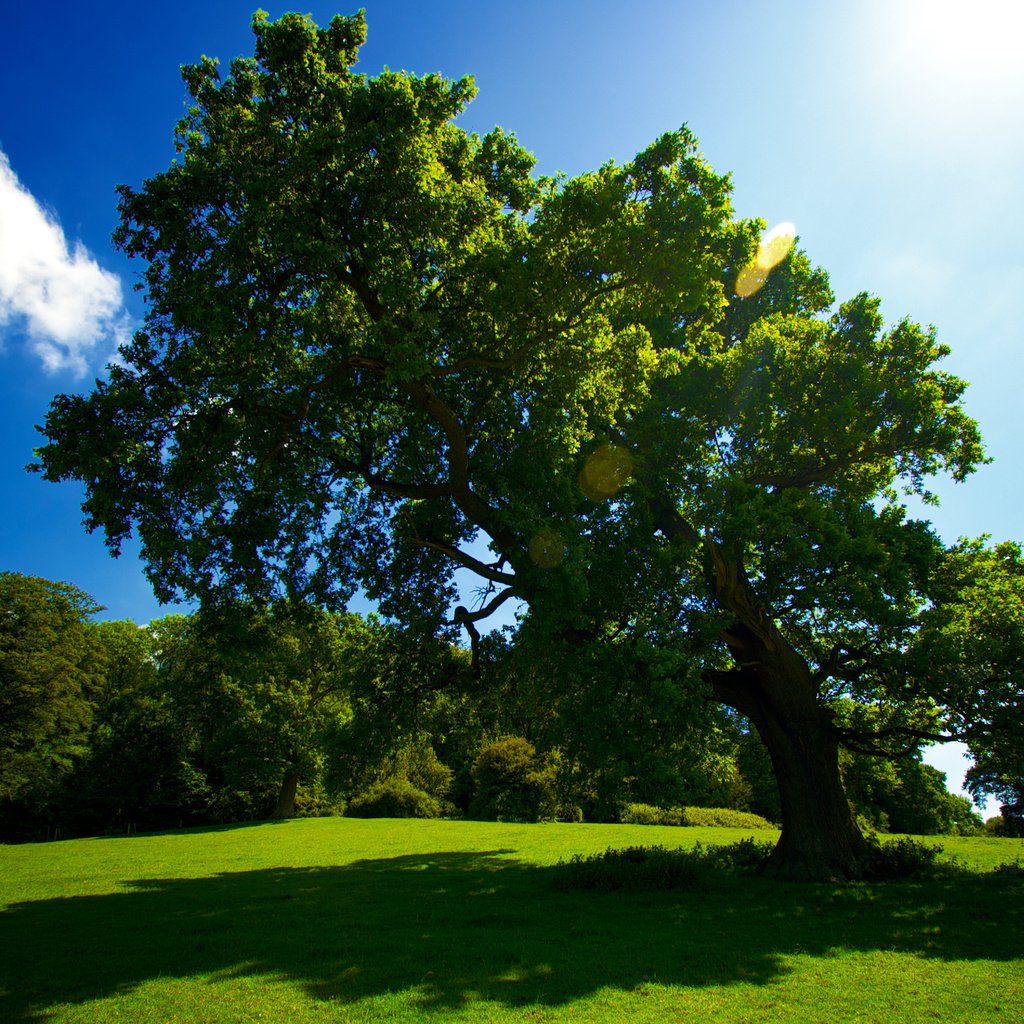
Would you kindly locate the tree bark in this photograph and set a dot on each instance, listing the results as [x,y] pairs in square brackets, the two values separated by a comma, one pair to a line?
[773,686]
[286,796]
[820,839]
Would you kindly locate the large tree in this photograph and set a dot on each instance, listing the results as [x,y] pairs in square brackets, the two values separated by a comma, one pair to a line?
[379,350]
[970,650]
[51,669]
[256,692]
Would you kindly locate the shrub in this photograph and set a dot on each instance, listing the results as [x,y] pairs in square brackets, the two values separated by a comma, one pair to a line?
[420,765]
[714,817]
[904,859]
[633,868]
[1005,826]
[393,798]
[513,783]
[313,801]
[647,868]
[722,817]
[1011,868]
[648,814]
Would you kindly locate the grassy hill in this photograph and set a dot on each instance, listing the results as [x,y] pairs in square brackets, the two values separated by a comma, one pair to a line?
[375,920]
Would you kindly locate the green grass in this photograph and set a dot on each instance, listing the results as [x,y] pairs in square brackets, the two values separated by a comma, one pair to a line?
[373,920]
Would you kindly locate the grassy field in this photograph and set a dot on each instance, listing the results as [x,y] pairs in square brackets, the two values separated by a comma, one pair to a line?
[353,920]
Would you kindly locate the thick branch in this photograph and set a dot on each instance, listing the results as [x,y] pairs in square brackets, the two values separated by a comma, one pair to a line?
[462,616]
[355,278]
[383,485]
[668,520]
[823,471]
[471,504]
[735,689]
[468,620]
[418,492]
[469,562]
[863,741]
[734,594]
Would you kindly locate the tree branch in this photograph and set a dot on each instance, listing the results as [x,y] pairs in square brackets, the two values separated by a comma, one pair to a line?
[862,741]
[476,510]
[467,561]
[467,619]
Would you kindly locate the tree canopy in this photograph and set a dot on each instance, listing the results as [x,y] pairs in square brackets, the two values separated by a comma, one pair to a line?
[379,350]
[969,657]
[50,667]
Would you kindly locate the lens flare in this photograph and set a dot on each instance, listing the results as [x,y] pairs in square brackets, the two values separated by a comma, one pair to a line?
[546,548]
[775,245]
[606,472]
[773,248]
[750,280]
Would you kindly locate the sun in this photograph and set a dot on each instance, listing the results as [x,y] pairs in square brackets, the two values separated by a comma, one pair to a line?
[954,44]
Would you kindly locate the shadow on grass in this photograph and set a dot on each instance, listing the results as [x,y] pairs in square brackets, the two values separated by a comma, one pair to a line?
[450,927]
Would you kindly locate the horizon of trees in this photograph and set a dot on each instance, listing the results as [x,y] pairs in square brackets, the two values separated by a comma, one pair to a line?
[238,713]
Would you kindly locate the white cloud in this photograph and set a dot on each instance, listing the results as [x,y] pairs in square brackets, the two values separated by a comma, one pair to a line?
[68,302]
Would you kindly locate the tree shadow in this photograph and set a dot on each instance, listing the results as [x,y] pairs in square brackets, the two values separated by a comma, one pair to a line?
[451,927]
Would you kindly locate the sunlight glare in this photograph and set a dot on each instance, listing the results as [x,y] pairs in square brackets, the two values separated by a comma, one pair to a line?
[944,57]
[606,471]
[546,548]
[775,245]
[773,248]
[750,280]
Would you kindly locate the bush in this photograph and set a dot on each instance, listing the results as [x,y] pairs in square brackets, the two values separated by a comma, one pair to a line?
[722,817]
[714,817]
[393,798]
[420,765]
[648,814]
[513,783]
[649,868]
[313,801]
[1011,868]
[904,859]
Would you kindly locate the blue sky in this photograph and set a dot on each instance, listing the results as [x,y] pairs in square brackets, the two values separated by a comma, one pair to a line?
[888,131]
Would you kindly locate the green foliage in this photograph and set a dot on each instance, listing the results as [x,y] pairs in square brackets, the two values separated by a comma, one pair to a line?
[704,817]
[634,868]
[722,817]
[257,691]
[137,771]
[412,783]
[393,798]
[51,669]
[653,868]
[648,814]
[513,782]
[905,795]
[971,641]
[419,764]
[1012,868]
[1004,827]
[411,716]
[906,859]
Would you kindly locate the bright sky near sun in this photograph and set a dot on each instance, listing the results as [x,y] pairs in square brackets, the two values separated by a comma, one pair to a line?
[888,132]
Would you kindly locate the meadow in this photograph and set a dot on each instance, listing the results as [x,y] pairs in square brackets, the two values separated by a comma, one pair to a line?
[419,921]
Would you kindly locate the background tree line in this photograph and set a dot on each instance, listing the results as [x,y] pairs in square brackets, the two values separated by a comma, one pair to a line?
[240,712]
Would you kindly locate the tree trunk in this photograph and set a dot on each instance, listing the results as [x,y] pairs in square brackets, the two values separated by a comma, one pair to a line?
[773,686]
[286,797]
[820,839]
